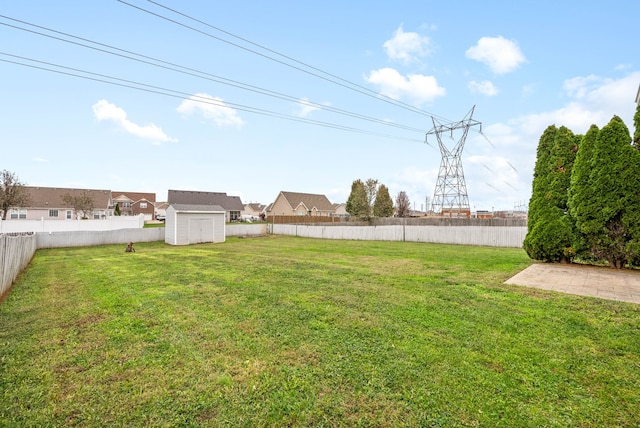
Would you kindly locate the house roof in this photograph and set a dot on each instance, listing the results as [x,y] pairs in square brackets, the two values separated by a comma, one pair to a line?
[51,197]
[309,200]
[255,206]
[197,208]
[135,196]
[121,198]
[191,197]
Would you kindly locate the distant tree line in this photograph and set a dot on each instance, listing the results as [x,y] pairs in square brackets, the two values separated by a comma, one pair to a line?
[371,199]
[585,200]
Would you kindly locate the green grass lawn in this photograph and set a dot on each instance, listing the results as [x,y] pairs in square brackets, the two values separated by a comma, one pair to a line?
[283,331]
[147,225]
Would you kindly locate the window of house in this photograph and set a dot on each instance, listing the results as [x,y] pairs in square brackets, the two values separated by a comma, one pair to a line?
[53,213]
[18,214]
[69,214]
[143,205]
[125,204]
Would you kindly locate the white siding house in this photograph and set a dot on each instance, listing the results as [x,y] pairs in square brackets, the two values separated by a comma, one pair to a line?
[194,224]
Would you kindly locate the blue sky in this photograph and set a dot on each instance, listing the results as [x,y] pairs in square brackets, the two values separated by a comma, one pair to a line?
[299,96]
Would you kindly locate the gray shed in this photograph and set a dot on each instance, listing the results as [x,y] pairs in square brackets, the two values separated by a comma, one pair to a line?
[194,224]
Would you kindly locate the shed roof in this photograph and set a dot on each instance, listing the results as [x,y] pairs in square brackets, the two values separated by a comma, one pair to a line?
[197,208]
[192,197]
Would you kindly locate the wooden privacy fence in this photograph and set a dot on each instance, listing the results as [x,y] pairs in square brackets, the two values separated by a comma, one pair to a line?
[16,251]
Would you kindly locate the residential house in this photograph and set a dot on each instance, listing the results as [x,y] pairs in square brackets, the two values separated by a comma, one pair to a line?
[232,204]
[254,210]
[267,209]
[135,203]
[48,203]
[301,204]
[340,210]
[161,210]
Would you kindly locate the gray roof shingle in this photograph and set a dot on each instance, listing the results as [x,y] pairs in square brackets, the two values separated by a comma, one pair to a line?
[309,200]
[51,197]
[192,197]
[191,207]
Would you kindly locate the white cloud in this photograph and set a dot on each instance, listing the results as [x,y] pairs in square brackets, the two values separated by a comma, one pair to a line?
[104,110]
[407,47]
[416,87]
[39,159]
[496,179]
[485,87]
[417,182]
[338,194]
[528,90]
[623,67]
[211,108]
[591,100]
[500,134]
[578,87]
[306,107]
[575,116]
[498,168]
[501,55]
[607,94]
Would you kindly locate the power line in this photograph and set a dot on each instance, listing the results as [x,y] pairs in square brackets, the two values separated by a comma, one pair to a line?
[195,73]
[332,78]
[182,95]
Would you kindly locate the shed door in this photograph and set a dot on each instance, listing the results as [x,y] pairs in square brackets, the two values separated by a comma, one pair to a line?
[200,230]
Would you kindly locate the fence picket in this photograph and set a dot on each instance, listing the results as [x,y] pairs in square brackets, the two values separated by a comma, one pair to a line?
[16,251]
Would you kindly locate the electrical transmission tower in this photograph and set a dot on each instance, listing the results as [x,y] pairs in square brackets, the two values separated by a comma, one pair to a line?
[450,197]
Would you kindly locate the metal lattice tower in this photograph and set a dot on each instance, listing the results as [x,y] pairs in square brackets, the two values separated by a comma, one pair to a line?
[450,195]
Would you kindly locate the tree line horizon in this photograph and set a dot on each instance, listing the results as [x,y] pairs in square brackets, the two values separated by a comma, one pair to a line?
[371,199]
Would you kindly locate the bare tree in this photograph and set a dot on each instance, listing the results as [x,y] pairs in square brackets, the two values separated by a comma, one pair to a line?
[82,204]
[13,193]
[403,206]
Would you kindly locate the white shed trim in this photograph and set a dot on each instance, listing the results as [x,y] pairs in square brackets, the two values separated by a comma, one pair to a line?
[207,221]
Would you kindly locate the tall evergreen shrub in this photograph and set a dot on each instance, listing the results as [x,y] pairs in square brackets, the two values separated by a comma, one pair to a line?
[550,229]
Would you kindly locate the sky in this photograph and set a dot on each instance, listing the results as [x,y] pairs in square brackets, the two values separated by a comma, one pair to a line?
[252,98]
